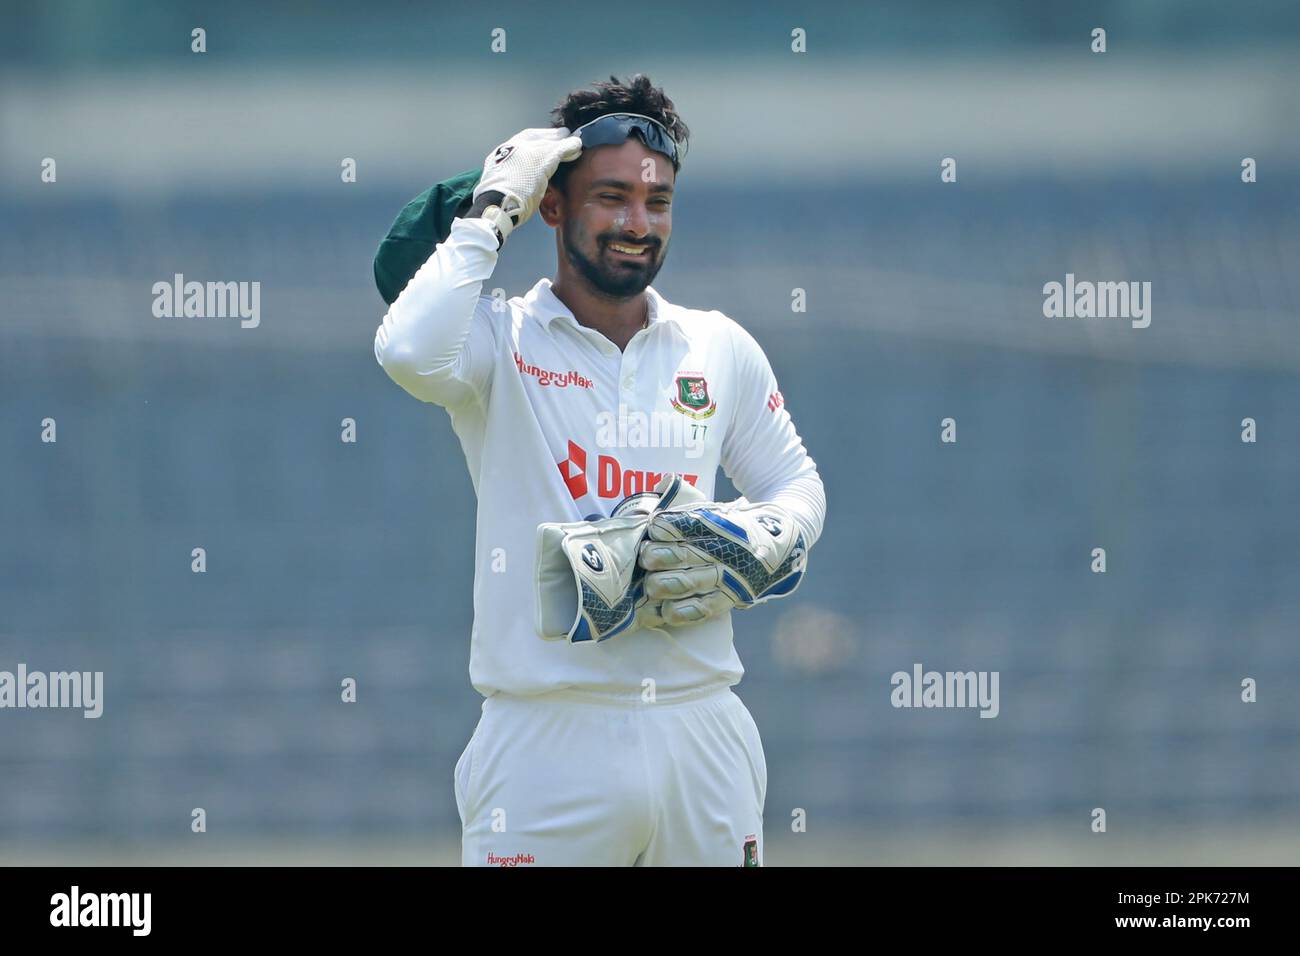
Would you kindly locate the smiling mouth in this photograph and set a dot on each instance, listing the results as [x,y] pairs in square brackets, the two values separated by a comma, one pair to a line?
[629,251]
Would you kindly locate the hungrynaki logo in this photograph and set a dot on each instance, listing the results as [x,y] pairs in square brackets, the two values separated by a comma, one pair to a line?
[516,860]
[546,377]
[612,479]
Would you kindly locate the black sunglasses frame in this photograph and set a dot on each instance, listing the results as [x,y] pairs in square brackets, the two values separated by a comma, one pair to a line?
[614,128]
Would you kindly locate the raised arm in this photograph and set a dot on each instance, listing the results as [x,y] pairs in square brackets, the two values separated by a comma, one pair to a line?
[437,339]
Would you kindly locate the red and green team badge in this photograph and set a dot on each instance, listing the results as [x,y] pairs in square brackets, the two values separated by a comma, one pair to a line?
[751,851]
[692,398]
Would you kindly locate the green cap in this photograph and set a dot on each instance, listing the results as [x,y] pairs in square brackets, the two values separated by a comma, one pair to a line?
[423,223]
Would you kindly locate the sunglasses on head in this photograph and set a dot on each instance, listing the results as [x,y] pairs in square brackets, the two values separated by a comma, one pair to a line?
[614,128]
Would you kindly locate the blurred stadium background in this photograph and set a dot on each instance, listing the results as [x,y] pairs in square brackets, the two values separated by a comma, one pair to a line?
[817,171]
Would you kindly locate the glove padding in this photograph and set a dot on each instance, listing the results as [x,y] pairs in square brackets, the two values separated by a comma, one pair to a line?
[666,558]
[589,583]
[702,560]
[520,169]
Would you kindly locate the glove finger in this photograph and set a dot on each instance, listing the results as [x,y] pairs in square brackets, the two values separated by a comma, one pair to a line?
[540,134]
[682,582]
[656,556]
[569,149]
[562,153]
[694,609]
[648,615]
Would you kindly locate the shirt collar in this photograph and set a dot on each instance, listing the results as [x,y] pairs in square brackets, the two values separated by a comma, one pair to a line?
[546,307]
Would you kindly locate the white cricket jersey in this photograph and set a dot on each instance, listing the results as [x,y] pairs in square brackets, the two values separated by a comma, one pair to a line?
[558,425]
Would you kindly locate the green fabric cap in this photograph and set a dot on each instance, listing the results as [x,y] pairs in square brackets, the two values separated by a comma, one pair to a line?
[423,223]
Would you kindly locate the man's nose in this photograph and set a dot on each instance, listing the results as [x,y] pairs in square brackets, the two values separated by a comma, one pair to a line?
[638,219]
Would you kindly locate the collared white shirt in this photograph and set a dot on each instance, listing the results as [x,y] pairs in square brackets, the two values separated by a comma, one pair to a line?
[557,424]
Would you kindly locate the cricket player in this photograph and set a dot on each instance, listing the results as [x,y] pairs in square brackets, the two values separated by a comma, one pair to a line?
[617,741]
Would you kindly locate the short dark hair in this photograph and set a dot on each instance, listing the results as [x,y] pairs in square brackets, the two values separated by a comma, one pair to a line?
[636,95]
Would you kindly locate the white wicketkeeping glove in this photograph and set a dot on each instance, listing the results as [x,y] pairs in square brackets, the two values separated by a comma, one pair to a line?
[666,558]
[589,583]
[702,560]
[520,168]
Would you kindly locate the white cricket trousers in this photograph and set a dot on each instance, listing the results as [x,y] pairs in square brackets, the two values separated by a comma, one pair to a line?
[562,779]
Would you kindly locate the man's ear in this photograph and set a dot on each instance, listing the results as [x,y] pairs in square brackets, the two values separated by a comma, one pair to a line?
[551,206]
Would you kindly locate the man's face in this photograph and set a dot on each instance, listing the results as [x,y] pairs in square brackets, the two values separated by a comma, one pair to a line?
[615,217]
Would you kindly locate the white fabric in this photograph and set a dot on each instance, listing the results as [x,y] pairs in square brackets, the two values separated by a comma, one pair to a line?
[559,780]
[526,388]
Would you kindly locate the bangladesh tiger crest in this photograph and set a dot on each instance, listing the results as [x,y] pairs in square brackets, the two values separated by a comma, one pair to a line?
[692,398]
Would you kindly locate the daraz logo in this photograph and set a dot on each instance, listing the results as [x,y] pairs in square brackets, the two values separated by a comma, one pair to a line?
[612,479]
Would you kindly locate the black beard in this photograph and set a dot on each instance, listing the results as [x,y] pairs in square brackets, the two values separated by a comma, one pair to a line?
[618,282]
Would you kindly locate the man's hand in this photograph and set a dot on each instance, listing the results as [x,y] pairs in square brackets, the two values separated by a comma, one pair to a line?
[519,169]
[665,558]
[588,579]
[704,559]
